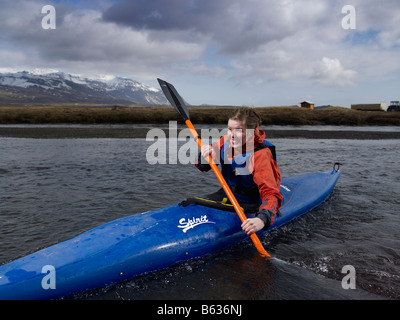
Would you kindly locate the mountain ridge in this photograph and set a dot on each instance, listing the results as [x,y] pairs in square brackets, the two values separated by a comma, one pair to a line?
[52,86]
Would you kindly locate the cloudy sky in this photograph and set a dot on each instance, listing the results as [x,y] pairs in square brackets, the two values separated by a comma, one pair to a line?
[240,52]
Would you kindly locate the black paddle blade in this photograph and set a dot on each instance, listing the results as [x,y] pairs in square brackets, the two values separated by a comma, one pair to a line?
[174,98]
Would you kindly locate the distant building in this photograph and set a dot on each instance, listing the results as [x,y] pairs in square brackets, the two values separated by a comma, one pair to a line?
[369,107]
[307,104]
[394,106]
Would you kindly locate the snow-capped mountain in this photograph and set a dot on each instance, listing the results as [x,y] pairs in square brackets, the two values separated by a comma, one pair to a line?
[52,86]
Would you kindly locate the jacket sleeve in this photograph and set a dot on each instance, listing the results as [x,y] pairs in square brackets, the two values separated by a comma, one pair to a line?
[267,176]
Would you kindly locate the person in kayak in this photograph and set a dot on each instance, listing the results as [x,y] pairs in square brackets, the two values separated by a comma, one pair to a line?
[248,166]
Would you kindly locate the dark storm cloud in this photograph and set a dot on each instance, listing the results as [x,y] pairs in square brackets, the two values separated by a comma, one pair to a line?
[235,26]
[166,15]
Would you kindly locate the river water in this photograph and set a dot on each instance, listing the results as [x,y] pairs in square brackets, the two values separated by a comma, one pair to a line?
[55,189]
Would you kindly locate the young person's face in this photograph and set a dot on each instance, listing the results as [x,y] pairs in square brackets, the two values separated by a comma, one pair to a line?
[237,133]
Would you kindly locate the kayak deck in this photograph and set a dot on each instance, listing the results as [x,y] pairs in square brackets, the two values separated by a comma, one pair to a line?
[133,245]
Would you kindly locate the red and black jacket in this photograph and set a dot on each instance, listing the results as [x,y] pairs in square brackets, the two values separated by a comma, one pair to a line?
[253,175]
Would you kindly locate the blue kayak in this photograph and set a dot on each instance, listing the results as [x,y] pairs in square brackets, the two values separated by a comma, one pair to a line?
[130,246]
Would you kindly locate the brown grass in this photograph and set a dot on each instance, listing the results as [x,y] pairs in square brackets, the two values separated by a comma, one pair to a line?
[201,115]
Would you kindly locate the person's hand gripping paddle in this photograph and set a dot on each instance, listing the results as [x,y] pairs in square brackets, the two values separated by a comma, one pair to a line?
[177,102]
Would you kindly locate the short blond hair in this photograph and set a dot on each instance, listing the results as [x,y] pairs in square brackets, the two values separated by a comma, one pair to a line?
[249,116]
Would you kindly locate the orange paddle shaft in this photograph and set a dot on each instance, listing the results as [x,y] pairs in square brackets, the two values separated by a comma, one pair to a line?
[227,190]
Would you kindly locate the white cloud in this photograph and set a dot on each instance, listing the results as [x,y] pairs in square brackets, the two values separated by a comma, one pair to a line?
[85,43]
[330,72]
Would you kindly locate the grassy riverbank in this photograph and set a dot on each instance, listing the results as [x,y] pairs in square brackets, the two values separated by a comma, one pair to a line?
[199,115]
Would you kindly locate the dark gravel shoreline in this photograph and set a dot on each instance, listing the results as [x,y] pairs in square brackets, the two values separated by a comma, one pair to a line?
[132,133]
